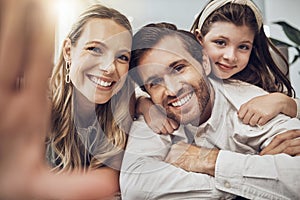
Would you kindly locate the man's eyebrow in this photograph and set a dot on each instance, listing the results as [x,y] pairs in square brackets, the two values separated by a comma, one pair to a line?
[173,64]
[151,78]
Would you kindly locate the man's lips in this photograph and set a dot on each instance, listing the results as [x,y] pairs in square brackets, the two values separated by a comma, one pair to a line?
[178,102]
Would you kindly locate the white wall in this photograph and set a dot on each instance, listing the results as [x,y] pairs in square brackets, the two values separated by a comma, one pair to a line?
[142,12]
[285,10]
[182,13]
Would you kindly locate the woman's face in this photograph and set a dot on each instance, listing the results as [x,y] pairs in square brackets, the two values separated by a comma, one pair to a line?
[100,59]
[229,47]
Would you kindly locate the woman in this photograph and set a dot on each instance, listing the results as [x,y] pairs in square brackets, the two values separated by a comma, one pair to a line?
[90,94]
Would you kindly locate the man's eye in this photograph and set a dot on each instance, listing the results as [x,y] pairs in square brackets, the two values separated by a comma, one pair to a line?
[179,68]
[96,50]
[155,82]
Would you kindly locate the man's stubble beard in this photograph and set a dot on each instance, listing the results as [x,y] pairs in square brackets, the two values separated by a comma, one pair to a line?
[203,95]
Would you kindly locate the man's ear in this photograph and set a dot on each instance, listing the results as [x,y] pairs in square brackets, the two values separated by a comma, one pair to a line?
[67,49]
[199,36]
[206,63]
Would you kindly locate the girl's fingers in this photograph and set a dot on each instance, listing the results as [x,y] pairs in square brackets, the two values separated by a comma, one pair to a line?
[280,142]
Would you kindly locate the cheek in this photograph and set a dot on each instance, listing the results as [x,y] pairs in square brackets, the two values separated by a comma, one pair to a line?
[156,95]
[74,73]
[122,70]
[244,61]
[213,54]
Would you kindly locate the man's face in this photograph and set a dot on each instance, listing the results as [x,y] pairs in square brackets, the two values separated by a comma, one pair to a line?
[175,80]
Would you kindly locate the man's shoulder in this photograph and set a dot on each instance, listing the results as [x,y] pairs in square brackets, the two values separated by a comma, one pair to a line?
[139,123]
[238,92]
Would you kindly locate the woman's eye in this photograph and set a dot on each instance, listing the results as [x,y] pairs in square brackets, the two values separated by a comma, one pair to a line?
[96,50]
[123,58]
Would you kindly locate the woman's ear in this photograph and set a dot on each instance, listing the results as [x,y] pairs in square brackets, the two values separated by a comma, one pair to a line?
[199,36]
[67,49]
[206,63]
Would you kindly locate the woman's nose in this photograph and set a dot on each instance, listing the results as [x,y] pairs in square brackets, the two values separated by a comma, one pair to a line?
[108,65]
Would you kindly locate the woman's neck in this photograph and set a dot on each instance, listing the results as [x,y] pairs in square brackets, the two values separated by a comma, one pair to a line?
[84,112]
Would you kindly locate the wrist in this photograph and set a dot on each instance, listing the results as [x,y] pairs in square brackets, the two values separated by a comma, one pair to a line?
[208,161]
[286,104]
[141,103]
[212,160]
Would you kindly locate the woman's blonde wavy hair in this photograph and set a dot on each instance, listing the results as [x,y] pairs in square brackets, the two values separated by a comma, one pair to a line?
[67,147]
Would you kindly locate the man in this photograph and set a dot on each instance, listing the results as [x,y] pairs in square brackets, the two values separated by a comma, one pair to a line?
[214,154]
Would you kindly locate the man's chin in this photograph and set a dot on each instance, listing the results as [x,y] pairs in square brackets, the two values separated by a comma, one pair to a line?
[178,119]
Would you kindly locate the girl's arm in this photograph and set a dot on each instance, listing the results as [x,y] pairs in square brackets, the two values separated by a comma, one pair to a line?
[156,119]
[261,109]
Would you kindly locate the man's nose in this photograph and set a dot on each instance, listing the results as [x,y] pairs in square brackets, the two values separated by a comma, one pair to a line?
[172,86]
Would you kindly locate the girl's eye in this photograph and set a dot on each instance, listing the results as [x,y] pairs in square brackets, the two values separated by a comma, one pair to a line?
[244,47]
[96,50]
[220,42]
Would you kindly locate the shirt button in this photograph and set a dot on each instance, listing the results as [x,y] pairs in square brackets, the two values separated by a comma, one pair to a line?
[227,184]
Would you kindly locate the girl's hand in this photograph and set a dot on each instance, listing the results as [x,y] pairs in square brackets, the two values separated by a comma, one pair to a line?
[287,142]
[156,119]
[261,109]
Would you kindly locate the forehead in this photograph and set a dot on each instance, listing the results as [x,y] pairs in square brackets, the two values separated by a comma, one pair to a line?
[159,59]
[169,49]
[229,29]
[105,30]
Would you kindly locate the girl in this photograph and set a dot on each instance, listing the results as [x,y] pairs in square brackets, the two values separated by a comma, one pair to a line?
[231,32]
[87,86]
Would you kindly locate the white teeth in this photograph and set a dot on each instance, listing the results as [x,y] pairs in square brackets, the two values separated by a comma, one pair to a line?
[182,101]
[100,82]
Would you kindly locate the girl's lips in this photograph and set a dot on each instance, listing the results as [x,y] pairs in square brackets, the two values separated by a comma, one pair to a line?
[225,67]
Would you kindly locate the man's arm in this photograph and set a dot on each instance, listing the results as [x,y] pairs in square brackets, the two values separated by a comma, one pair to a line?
[249,176]
[145,175]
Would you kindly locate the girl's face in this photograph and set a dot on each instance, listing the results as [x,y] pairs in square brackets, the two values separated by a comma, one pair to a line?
[100,59]
[229,47]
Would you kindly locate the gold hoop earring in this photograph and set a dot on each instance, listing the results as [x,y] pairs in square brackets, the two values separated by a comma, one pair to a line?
[67,77]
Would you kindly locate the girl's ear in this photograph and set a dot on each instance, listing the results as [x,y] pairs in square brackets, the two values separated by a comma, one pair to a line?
[199,36]
[67,49]
[206,64]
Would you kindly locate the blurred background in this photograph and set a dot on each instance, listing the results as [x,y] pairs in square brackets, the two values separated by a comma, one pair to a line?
[182,13]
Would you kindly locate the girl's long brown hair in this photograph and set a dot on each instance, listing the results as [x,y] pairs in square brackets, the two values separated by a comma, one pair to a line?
[261,70]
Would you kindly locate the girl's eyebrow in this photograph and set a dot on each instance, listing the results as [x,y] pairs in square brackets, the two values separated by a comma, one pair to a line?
[226,38]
